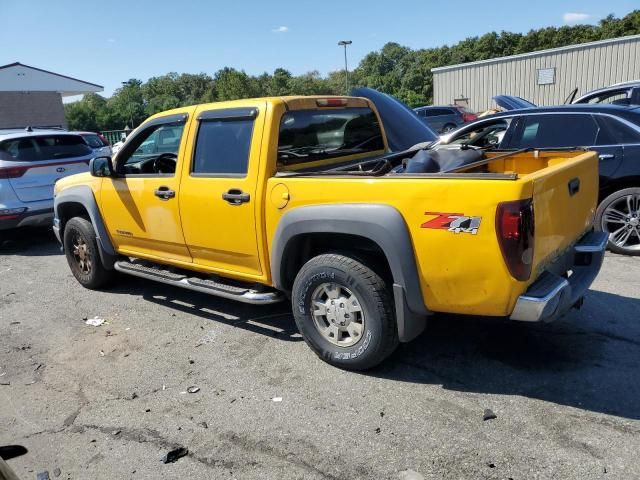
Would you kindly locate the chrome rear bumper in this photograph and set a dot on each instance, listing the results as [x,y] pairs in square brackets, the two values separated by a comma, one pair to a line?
[553,293]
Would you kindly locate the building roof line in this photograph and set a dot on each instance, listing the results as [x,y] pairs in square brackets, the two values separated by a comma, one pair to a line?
[538,53]
[15,64]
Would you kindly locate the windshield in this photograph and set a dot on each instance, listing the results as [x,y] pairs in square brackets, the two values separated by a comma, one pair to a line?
[310,135]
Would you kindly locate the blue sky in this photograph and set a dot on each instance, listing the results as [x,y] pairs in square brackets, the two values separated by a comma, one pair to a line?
[111,41]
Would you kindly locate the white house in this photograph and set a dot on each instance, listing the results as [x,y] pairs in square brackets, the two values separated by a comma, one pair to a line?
[31,96]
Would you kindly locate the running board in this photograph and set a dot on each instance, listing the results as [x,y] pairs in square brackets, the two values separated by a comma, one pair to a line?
[203,285]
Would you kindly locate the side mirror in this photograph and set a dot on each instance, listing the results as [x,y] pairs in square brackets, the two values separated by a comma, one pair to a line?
[101,167]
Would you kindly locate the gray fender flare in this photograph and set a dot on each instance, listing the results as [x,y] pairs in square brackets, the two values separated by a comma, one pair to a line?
[382,224]
[83,195]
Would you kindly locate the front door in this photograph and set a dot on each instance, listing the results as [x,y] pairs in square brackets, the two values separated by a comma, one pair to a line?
[140,205]
[218,200]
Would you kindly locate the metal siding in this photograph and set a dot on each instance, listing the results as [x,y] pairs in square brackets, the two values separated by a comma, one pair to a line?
[586,68]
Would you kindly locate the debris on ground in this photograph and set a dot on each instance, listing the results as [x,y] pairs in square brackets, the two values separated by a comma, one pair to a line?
[5,383]
[488,415]
[409,475]
[191,362]
[56,472]
[276,399]
[102,353]
[134,395]
[175,454]
[378,430]
[43,475]
[95,321]
[381,414]
[117,432]
[193,389]
[204,424]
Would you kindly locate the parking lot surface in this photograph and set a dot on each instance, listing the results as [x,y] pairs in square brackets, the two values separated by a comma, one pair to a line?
[109,402]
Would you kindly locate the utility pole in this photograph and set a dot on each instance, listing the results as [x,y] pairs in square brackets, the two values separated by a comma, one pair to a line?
[344,43]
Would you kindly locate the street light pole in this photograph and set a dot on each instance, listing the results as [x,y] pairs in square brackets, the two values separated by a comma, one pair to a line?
[344,43]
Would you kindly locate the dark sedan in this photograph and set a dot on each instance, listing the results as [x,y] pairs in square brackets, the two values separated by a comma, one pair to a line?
[611,130]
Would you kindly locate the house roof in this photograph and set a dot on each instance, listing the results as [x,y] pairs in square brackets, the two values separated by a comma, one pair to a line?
[18,77]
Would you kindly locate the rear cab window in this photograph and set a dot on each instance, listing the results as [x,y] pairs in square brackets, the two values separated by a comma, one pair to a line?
[322,137]
[44,147]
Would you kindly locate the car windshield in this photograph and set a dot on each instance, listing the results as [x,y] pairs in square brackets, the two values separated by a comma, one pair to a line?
[310,135]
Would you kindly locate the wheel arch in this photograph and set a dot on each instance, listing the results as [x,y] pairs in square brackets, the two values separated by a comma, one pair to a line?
[364,229]
[80,201]
[618,184]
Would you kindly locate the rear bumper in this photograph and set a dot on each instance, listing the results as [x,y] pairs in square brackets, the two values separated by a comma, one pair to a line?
[553,294]
[37,218]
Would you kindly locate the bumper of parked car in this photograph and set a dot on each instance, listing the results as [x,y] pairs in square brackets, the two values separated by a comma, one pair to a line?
[15,218]
[555,291]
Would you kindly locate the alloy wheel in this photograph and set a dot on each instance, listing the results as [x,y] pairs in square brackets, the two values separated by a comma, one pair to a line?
[622,220]
[337,314]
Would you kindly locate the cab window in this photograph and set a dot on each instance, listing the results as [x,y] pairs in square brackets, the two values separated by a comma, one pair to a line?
[222,147]
[311,135]
[153,151]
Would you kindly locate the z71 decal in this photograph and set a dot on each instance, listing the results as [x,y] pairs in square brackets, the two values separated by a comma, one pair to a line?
[453,222]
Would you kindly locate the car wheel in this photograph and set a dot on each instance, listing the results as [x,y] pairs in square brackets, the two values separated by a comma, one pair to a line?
[449,127]
[344,311]
[83,256]
[619,214]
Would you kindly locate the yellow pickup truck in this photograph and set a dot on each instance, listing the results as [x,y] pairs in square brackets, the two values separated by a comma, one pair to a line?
[301,199]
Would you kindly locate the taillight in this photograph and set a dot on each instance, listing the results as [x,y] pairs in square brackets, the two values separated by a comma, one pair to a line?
[331,102]
[469,117]
[515,229]
[104,140]
[12,172]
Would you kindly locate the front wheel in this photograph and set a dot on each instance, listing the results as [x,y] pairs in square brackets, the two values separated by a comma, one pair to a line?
[83,256]
[344,311]
[619,215]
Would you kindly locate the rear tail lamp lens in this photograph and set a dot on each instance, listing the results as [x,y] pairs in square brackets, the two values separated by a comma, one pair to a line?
[515,229]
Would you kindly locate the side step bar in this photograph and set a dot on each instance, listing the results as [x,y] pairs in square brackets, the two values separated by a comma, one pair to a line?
[240,294]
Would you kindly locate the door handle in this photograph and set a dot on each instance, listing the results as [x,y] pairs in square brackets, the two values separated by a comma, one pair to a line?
[606,156]
[164,193]
[235,196]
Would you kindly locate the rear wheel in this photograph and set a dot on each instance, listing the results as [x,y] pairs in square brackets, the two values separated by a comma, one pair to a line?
[344,311]
[619,214]
[449,127]
[83,256]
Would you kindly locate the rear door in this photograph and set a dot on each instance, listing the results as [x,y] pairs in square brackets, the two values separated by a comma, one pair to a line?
[219,197]
[36,162]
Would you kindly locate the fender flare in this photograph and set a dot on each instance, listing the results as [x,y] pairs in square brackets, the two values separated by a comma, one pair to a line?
[382,224]
[83,195]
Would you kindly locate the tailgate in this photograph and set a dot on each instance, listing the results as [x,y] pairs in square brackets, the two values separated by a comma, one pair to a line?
[36,179]
[565,197]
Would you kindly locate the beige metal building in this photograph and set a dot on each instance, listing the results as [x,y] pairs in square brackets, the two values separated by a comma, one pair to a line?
[545,77]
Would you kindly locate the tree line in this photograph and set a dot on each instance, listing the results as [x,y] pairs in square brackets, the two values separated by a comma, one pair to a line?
[395,69]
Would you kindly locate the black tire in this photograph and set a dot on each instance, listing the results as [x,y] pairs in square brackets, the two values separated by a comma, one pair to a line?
[91,275]
[618,200]
[449,127]
[379,335]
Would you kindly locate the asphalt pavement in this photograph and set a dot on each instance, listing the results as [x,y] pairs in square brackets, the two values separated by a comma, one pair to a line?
[109,402]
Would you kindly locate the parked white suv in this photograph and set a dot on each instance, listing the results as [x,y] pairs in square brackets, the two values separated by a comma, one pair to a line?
[31,160]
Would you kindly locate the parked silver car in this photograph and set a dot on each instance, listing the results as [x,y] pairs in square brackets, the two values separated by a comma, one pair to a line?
[31,161]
